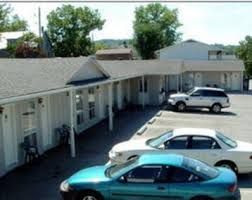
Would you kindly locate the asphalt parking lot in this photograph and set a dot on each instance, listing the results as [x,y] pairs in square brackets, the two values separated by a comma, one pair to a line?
[41,180]
[234,122]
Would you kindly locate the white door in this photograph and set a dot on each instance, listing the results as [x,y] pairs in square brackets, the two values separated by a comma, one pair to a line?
[226,80]
[235,81]
[143,93]
[209,150]
[9,136]
[198,79]
[173,82]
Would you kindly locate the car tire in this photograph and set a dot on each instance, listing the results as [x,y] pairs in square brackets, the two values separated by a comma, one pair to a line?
[89,195]
[228,165]
[181,106]
[216,108]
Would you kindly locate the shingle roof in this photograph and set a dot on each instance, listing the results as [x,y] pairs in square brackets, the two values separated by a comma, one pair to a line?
[213,65]
[26,76]
[208,46]
[114,51]
[124,68]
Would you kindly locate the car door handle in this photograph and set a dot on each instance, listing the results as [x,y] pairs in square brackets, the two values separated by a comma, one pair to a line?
[161,188]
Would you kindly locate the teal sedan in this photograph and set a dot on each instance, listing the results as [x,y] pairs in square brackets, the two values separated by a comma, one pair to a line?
[152,177]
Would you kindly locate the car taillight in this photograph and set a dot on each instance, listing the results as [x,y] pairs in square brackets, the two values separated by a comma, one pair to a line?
[232,188]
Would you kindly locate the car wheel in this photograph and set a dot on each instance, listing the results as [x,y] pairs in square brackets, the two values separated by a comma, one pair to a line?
[90,195]
[228,165]
[181,106]
[216,108]
[201,198]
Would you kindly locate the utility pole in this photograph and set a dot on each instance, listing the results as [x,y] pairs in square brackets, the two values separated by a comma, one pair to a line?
[39,23]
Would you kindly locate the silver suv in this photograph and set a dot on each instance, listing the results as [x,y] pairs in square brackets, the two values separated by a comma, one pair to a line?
[201,97]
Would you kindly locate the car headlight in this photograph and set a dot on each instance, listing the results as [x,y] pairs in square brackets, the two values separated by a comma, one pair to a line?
[114,154]
[64,186]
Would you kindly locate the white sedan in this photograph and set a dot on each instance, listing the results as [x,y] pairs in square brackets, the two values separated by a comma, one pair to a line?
[207,145]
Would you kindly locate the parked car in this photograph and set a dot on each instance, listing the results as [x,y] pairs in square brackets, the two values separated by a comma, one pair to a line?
[152,177]
[200,97]
[207,145]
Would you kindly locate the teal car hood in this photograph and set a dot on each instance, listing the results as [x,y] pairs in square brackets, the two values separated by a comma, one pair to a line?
[89,175]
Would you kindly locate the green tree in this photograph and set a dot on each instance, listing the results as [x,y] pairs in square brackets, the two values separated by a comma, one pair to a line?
[244,52]
[69,29]
[155,27]
[9,22]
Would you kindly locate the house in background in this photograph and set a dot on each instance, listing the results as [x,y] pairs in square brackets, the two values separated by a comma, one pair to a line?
[204,65]
[114,54]
[9,38]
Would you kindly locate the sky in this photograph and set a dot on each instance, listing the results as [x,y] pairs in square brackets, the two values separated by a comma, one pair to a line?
[222,23]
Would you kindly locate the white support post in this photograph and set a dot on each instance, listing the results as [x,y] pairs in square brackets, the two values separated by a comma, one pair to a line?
[181,82]
[128,92]
[177,82]
[242,81]
[143,92]
[72,116]
[110,101]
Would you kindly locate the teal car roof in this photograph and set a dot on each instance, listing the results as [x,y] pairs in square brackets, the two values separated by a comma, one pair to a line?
[168,159]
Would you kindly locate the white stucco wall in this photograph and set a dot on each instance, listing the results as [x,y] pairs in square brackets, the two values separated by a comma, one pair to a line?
[211,78]
[186,51]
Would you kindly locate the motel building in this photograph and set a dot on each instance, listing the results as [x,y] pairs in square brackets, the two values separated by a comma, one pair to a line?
[39,95]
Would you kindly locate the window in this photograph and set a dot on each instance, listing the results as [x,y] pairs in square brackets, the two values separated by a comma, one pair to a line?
[144,174]
[197,93]
[199,142]
[212,93]
[231,143]
[200,168]
[29,122]
[141,86]
[173,174]
[79,108]
[160,140]
[180,142]
[91,103]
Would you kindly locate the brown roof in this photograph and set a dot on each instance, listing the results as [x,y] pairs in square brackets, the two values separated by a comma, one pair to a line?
[114,51]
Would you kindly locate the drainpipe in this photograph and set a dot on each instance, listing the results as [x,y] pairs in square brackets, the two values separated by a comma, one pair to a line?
[72,136]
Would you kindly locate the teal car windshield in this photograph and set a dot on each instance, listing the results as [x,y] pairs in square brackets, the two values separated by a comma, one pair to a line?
[156,142]
[113,170]
[200,168]
[231,143]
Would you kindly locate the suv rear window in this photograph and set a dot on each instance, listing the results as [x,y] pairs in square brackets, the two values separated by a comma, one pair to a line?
[212,93]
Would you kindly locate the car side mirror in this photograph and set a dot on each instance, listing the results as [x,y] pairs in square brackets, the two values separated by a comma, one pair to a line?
[122,179]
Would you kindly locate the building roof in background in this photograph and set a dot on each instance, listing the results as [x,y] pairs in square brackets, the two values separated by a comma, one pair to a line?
[213,65]
[25,76]
[125,68]
[4,36]
[114,51]
[208,46]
